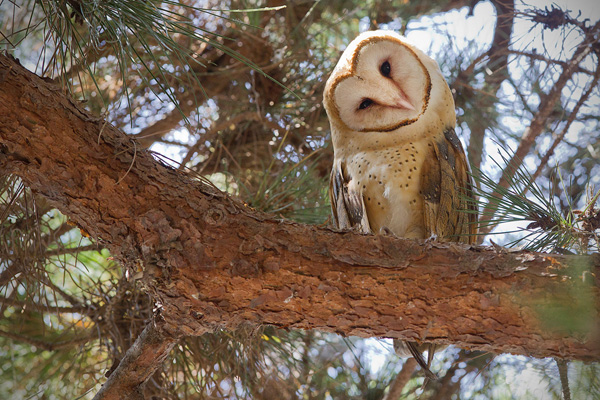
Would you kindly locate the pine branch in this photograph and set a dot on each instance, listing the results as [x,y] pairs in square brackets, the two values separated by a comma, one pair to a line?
[546,59]
[538,122]
[71,250]
[214,129]
[559,138]
[44,307]
[497,65]
[401,379]
[563,372]
[9,273]
[49,346]
[142,359]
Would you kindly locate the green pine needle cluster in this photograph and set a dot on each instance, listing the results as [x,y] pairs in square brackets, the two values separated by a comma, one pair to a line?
[147,38]
[549,228]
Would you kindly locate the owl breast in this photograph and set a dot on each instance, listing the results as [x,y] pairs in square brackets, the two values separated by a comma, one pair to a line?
[389,181]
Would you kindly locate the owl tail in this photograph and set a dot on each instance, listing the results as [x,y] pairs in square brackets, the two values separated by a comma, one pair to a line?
[407,349]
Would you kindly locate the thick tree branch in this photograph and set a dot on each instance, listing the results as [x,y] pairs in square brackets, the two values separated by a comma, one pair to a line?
[211,262]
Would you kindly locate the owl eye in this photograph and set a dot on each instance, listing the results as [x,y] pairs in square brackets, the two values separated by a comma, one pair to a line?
[385,69]
[366,103]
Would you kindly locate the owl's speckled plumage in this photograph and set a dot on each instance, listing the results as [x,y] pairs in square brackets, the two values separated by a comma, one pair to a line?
[398,164]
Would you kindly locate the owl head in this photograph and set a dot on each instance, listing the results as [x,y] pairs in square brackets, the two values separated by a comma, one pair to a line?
[382,84]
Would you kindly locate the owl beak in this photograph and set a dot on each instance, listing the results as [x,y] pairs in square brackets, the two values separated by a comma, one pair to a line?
[400,99]
[402,102]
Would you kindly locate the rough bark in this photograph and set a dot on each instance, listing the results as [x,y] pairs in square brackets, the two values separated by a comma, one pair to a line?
[211,262]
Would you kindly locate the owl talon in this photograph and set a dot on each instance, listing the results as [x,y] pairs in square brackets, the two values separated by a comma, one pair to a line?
[386,231]
[432,238]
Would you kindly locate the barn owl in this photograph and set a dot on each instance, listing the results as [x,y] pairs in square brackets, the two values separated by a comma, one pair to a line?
[398,165]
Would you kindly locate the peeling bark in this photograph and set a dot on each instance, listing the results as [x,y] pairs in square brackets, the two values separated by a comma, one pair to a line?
[211,262]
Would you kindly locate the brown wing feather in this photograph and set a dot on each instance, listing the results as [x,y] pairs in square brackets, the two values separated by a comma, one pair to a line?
[446,188]
[347,205]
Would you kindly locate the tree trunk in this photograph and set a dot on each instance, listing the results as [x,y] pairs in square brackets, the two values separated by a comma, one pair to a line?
[211,262]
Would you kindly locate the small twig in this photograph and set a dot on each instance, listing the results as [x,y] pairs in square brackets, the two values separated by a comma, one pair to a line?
[562,134]
[541,57]
[44,307]
[71,250]
[217,126]
[130,165]
[9,273]
[102,128]
[56,289]
[49,346]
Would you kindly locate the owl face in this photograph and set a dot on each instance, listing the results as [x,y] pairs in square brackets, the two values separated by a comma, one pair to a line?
[381,83]
[387,87]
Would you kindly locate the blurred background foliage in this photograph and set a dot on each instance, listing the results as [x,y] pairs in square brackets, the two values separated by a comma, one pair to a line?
[231,91]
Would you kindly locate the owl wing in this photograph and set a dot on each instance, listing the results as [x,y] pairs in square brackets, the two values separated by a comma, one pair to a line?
[447,191]
[347,203]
